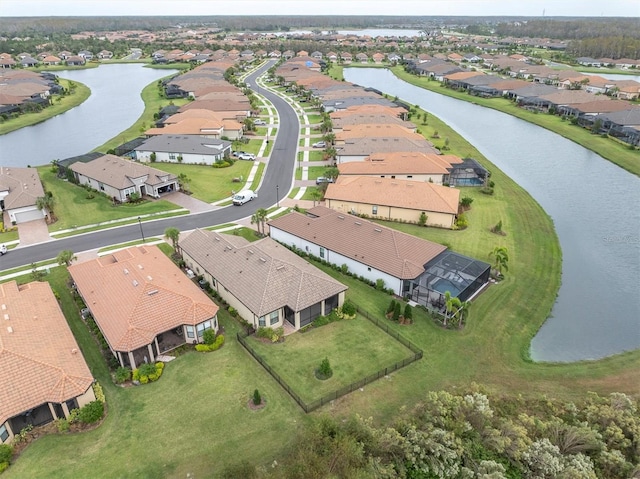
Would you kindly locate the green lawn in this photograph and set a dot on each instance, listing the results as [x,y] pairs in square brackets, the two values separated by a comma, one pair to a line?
[207,183]
[252,147]
[616,152]
[355,349]
[194,420]
[313,172]
[60,104]
[74,208]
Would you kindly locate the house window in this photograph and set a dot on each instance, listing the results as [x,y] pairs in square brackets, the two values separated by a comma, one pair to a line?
[409,176]
[172,156]
[190,332]
[215,323]
[393,177]
[202,327]
[374,210]
[4,434]
[321,252]
[274,318]
[101,186]
[261,322]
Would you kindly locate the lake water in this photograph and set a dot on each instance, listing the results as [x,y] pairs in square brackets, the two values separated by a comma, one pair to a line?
[114,105]
[593,203]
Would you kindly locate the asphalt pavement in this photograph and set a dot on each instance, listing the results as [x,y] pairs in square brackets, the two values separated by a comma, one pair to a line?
[276,183]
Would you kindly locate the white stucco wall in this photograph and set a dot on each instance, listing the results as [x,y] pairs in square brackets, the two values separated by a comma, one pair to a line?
[355,267]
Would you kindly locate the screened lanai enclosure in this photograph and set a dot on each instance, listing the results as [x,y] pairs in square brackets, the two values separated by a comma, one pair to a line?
[468,173]
[460,275]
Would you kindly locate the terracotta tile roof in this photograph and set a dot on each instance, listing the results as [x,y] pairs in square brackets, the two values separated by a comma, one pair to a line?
[137,293]
[368,146]
[23,185]
[264,275]
[463,75]
[188,126]
[376,130]
[573,97]
[398,254]
[401,163]
[40,360]
[118,172]
[374,109]
[421,196]
[371,118]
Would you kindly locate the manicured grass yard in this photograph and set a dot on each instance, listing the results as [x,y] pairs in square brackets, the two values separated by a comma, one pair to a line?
[195,419]
[207,183]
[73,207]
[355,349]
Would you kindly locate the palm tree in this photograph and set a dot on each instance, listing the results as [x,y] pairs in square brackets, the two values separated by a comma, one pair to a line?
[316,195]
[183,182]
[448,306]
[260,218]
[46,203]
[65,258]
[173,234]
[500,257]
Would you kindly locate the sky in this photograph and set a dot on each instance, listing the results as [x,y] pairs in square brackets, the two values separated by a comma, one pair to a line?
[586,8]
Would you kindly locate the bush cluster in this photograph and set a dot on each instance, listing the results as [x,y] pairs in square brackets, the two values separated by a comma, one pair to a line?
[91,412]
[6,451]
[122,375]
[148,372]
[274,335]
[214,346]
[99,393]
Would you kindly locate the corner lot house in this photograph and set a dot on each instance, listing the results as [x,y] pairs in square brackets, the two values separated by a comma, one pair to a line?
[119,178]
[394,199]
[20,189]
[143,304]
[266,283]
[42,370]
[412,267]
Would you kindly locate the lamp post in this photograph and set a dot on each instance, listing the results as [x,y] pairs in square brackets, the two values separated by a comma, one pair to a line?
[277,196]
[141,232]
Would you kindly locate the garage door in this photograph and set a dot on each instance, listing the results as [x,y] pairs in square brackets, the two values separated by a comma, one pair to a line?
[30,215]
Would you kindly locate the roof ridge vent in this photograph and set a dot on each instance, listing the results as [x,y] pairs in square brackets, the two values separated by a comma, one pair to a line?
[152,292]
[263,260]
[6,316]
[135,282]
[358,223]
[126,271]
[280,267]
[377,229]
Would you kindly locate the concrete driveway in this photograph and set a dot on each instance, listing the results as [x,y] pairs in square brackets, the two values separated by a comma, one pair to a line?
[188,202]
[33,232]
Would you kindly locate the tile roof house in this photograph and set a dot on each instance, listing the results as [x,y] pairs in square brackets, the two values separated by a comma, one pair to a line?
[369,249]
[20,189]
[143,303]
[357,149]
[394,199]
[42,370]
[406,165]
[266,283]
[119,178]
[186,149]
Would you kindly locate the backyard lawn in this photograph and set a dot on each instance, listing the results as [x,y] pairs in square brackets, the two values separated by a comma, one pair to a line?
[194,420]
[355,349]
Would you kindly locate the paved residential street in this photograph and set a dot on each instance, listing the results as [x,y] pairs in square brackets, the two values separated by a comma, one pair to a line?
[276,183]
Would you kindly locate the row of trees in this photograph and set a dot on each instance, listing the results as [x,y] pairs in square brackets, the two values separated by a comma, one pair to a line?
[470,436]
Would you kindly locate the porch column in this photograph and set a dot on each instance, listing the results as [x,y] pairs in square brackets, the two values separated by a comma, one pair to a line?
[120,358]
[132,360]
[155,340]
[53,412]
[297,319]
[151,356]
[65,409]
[322,308]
